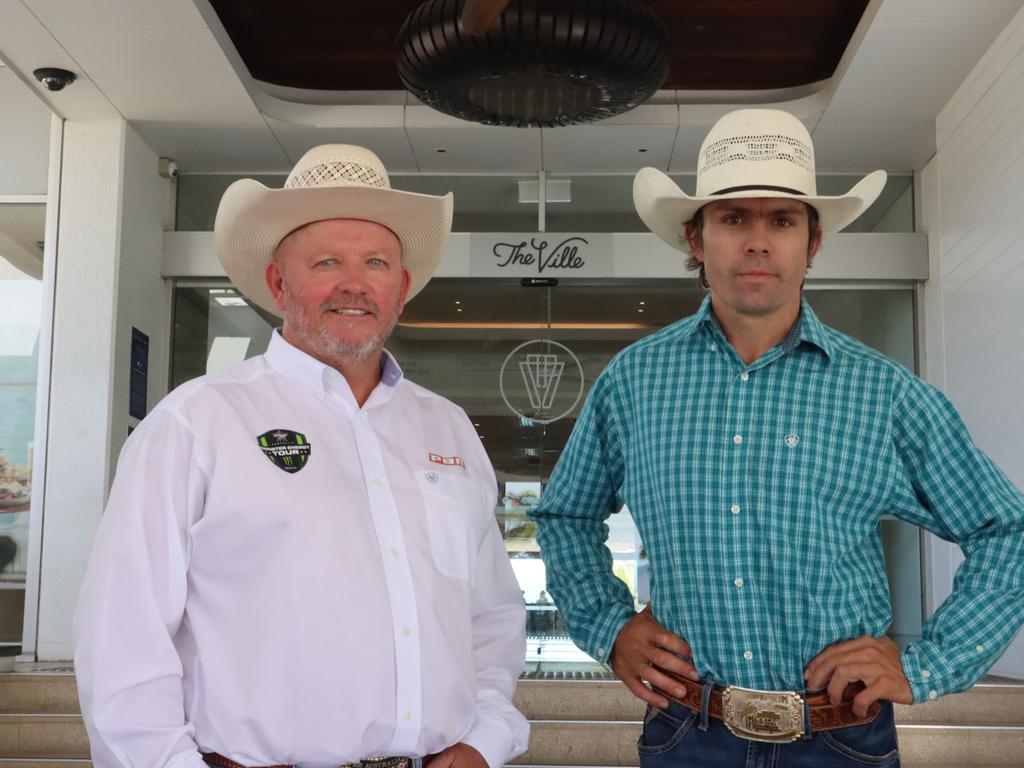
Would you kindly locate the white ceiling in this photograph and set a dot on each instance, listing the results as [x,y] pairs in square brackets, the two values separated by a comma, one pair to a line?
[167,67]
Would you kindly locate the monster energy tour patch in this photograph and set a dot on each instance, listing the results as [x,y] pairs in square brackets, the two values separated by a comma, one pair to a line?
[288,450]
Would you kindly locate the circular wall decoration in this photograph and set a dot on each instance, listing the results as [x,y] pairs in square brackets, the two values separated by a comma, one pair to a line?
[542,63]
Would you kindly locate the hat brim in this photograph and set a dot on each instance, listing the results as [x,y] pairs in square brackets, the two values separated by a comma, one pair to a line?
[253,219]
[665,208]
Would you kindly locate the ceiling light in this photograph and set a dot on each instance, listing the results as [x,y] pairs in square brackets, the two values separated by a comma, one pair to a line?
[555,191]
[457,301]
[573,62]
[231,301]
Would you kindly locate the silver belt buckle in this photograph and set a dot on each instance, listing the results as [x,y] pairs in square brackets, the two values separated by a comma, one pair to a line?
[776,717]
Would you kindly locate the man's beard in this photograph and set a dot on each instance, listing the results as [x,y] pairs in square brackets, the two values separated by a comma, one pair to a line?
[325,346]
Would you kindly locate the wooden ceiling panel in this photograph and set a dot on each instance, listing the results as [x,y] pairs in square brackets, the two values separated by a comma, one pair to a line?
[716,44]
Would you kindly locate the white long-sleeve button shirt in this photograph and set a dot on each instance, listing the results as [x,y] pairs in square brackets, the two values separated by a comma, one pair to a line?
[300,605]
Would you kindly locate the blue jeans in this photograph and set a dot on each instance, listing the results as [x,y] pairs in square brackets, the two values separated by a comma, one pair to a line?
[673,738]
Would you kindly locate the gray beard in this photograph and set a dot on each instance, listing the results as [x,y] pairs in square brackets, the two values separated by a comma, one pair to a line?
[328,348]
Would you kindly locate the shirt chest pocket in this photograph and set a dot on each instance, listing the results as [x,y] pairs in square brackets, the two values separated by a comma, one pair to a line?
[449,505]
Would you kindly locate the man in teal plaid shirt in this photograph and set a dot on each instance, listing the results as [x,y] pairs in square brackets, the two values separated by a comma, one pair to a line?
[757,450]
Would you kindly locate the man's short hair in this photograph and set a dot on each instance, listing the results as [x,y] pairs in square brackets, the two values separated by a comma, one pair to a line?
[697,223]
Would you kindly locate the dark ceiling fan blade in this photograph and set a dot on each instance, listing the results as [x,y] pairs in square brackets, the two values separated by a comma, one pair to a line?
[478,15]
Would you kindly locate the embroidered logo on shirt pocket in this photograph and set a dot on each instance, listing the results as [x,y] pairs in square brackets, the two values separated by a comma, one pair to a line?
[448,514]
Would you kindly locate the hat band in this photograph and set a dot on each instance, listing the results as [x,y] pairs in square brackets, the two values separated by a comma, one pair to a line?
[758,187]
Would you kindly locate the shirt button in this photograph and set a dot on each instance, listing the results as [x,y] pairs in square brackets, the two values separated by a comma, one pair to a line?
[408,714]
[744,376]
[738,439]
[979,648]
[748,655]
[600,651]
[735,509]
[925,673]
[738,582]
[394,552]
[933,695]
[376,482]
[713,347]
[406,631]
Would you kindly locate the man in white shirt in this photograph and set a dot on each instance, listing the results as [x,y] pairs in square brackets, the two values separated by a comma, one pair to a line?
[299,563]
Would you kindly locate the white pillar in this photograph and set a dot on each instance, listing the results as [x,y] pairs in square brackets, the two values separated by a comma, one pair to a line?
[108,279]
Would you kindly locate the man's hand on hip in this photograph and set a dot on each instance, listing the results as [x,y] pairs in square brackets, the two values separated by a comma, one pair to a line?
[456,756]
[873,661]
[642,650]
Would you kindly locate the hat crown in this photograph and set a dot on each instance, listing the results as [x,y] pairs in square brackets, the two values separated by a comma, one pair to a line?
[757,149]
[338,165]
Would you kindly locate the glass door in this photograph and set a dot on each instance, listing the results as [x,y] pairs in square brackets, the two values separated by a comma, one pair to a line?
[21,305]
[520,361]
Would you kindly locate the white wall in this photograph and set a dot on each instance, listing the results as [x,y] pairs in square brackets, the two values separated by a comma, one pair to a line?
[142,293]
[977,191]
[24,137]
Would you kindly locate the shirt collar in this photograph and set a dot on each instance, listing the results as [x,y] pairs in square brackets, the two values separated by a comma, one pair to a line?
[808,327]
[305,369]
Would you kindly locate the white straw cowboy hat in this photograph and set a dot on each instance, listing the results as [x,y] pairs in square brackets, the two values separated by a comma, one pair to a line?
[749,153]
[333,181]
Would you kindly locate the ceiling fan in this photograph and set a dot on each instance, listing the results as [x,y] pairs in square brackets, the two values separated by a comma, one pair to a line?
[533,62]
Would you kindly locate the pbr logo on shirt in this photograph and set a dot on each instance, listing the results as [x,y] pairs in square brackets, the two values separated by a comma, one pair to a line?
[288,450]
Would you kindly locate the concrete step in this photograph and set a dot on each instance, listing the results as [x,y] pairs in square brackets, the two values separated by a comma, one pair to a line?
[38,692]
[43,736]
[985,704]
[575,723]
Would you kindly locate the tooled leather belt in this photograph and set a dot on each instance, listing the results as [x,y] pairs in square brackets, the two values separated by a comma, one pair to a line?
[775,716]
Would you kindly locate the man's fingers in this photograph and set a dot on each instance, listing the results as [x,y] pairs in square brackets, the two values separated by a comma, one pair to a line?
[849,673]
[869,696]
[673,643]
[663,660]
[820,671]
[642,692]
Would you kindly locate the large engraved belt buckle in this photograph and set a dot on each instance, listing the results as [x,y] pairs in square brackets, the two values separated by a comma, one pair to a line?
[772,716]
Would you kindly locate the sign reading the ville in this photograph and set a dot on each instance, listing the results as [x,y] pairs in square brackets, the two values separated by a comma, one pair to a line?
[546,254]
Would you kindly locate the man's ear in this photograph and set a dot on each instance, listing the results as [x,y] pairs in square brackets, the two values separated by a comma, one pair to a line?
[694,240]
[814,247]
[406,282]
[275,282]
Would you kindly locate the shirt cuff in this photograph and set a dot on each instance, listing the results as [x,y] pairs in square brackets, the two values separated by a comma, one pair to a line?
[187,760]
[926,671]
[491,739]
[606,630]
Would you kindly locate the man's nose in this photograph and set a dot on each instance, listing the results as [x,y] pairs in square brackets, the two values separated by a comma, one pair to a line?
[352,280]
[757,243]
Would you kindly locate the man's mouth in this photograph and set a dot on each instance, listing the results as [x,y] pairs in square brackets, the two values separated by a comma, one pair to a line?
[351,312]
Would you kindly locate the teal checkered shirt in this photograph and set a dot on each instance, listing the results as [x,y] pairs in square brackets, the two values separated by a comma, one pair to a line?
[758,490]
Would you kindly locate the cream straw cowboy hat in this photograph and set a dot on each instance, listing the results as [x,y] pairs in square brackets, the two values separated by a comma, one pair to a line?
[749,153]
[333,181]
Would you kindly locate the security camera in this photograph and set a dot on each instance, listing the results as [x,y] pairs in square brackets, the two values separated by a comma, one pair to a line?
[168,168]
[54,79]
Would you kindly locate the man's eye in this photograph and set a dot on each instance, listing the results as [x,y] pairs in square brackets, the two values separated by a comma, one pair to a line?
[325,262]
[784,222]
[731,220]
[377,262]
